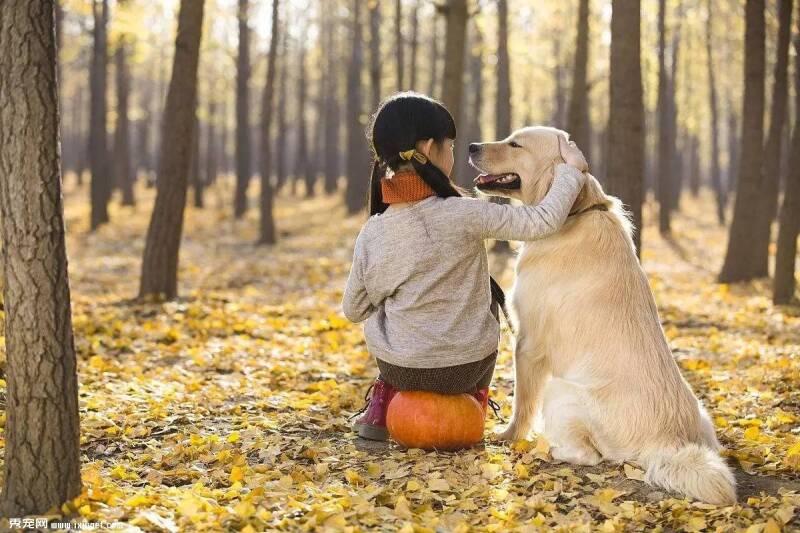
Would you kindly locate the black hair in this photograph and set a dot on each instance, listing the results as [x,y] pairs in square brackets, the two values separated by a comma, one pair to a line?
[400,121]
[398,124]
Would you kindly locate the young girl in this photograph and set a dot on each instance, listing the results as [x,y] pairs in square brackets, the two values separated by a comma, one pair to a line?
[420,269]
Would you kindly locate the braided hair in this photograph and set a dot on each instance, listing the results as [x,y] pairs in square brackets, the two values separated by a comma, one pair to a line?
[401,121]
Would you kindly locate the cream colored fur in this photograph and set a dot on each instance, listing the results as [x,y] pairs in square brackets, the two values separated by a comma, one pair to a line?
[591,355]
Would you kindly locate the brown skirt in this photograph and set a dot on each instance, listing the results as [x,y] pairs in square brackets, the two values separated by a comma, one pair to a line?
[456,379]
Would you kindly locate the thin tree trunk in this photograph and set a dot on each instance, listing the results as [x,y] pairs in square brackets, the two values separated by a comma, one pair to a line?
[375,52]
[720,193]
[332,167]
[211,141]
[412,85]
[356,194]
[733,147]
[242,113]
[786,254]
[399,45]
[664,177]
[456,15]
[434,56]
[98,134]
[267,221]
[195,174]
[675,180]
[770,176]
[739,262]
[280,140]
[41,441]
[626,111]
[160,262]
[122,151]
[578,115]
[302,168]
[503,100]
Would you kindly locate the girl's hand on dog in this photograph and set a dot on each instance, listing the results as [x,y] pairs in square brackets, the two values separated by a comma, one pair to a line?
[572,155]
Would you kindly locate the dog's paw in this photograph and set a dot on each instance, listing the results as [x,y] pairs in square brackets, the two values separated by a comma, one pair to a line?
[510,434]
[576,456]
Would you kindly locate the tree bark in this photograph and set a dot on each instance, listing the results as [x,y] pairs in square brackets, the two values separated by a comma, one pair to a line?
[375,52]
[302,168]
[626,111]
[414,45]
[267,220]
[42,441]
[720,193]
[739,262]
[242,113]
[770,177]
[100,189]
[456,16]
[357,184]
[665,143]
[578,114]
[786,254]
[195,173]
[122,150]
[503,101]
[211,141]
[399,45]
[280,140]
[160,262]
[332,114]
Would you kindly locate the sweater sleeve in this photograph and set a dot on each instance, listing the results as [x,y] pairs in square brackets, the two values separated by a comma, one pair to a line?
[530,222]
[356,304]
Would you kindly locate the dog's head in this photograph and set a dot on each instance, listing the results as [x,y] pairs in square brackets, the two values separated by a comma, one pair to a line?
[519,166]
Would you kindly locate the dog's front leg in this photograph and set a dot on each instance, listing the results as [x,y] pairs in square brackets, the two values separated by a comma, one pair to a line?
[531,372]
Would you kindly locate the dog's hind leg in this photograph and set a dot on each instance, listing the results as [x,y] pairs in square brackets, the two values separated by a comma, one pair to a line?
[531,373]
[564,425]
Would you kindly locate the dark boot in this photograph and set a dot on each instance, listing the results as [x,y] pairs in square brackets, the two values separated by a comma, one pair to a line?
[372,424]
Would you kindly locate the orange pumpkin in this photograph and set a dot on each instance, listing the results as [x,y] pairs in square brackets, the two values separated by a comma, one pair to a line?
[427,420]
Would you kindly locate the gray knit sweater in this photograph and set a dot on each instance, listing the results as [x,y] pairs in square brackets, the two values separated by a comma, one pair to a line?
[420,273]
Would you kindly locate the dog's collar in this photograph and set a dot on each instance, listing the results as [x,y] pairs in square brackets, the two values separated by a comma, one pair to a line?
[595,207]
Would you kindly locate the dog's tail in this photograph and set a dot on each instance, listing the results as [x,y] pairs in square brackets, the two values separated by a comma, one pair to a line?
[694,470]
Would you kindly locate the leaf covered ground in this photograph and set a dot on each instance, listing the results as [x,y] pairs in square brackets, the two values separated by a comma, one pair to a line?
[228,409]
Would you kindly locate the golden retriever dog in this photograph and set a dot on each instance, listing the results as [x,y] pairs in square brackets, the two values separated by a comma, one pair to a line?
[590,354]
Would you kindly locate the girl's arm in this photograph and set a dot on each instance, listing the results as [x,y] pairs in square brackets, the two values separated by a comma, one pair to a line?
[530,222]
[356,304]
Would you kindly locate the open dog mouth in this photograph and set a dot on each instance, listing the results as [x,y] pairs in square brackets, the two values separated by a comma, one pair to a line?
[498,181]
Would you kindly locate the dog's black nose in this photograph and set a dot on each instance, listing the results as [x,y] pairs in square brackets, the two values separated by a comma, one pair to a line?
[474,147]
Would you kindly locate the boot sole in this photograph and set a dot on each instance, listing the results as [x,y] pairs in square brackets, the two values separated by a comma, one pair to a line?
[370,432]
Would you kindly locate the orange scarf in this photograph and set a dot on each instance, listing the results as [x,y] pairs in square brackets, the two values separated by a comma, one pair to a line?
[405,186]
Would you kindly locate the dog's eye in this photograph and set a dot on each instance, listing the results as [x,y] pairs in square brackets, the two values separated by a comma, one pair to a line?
[515,144]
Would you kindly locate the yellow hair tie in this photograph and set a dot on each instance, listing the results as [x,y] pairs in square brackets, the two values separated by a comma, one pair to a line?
[407,155]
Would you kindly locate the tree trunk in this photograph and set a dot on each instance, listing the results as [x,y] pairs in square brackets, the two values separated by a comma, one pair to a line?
[720,193]
[412,85]
[503,101]
[626,111]
[675,179]
[242,113]
[770,177]
[453,82]
[122,151]
[42,441]
[578,115]
[211,141]
[434,57]
[280,140]
[267,220]
[356,194]
[733,147]
[100,189]
[375,52]
[160,262]
[302,168]
[665,145]
[198,185]
[739,262]
[471,120]
[399,45]
[786,254]
[332,167]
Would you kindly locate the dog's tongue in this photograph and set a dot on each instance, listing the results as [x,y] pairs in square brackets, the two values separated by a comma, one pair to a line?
[485,178]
